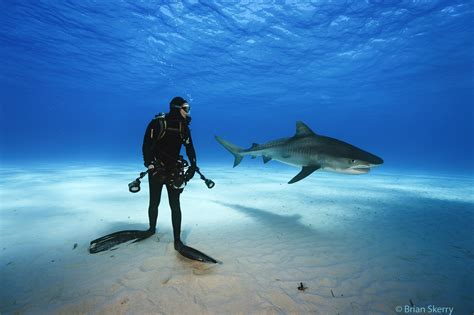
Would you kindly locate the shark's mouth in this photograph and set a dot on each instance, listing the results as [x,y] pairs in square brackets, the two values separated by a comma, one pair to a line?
[359,170]
[355,170]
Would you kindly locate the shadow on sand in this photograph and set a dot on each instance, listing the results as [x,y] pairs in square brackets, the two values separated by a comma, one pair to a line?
[286,223]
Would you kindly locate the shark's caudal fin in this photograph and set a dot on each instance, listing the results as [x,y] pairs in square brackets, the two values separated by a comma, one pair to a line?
[235,150]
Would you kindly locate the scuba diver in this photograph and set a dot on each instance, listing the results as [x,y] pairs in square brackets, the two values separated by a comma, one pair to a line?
[164,137]
[162,142]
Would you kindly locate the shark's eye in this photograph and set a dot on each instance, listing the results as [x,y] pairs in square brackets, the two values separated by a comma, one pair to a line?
[353,161]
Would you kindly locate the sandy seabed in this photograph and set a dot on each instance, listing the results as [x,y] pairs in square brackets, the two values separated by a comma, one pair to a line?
[359,244]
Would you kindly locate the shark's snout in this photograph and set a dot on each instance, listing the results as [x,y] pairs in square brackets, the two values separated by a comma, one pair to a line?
[376,161]
[364,166]
[373,160]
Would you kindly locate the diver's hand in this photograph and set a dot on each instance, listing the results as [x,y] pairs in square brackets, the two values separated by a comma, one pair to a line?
[151,169]
[190,173]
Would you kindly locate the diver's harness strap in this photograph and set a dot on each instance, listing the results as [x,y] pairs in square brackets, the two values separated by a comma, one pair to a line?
[162,126]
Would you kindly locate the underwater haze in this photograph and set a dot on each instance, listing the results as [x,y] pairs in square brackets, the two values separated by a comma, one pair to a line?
[81,80]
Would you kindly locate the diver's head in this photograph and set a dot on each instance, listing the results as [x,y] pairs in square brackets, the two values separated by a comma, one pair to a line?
[181,106]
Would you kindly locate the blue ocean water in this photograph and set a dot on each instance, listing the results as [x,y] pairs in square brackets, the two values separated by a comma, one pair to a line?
[79,81]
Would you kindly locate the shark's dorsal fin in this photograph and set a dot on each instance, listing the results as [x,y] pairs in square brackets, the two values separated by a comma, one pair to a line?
[303,130]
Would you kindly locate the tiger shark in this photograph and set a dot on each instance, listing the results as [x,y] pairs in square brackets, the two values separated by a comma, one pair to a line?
[310,151]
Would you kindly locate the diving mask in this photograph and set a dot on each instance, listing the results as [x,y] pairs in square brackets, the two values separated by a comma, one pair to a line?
[185,107]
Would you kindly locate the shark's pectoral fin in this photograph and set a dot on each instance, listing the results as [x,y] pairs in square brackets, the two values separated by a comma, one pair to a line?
[305,171]
[266,159]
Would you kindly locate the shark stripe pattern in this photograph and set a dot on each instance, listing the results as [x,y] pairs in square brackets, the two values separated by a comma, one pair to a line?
[310,151]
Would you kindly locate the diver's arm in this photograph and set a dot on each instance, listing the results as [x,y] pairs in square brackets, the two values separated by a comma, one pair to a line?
[147,144]
[190,152]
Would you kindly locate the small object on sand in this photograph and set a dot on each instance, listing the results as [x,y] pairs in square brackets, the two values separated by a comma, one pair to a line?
[411,303]
[332,293]
[75,246]
[302,287]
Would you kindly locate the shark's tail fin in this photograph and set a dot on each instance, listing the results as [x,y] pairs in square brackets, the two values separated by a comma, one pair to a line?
[235,150]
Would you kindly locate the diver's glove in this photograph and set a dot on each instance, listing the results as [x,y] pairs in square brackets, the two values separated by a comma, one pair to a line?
[190,172]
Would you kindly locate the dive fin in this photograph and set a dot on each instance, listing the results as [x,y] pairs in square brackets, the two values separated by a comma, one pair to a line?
[266,158]
[235,150]
[305,171]
[193,254]
[111,240]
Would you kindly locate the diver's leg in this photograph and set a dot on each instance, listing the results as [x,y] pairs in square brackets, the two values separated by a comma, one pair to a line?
[173,197]
[156,185]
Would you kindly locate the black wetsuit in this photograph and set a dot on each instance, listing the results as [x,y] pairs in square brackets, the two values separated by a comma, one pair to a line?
[166,150]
